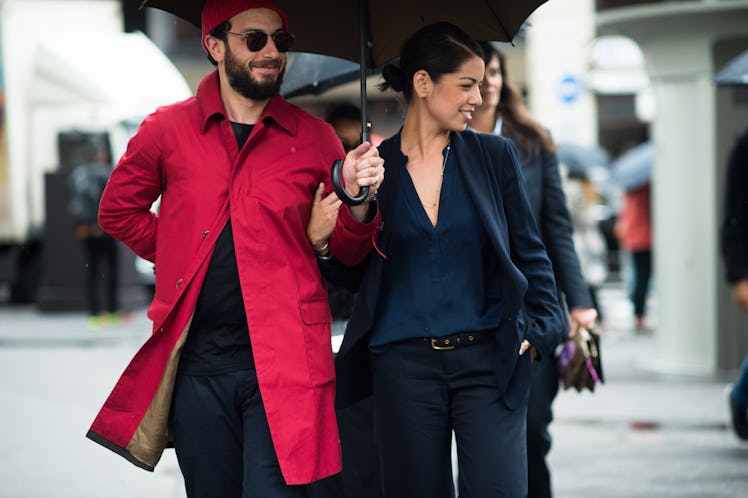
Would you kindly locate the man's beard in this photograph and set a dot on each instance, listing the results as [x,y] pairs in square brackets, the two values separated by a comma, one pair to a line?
[240,78]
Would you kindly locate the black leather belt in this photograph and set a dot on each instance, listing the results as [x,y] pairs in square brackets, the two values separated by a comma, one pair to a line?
[449,342]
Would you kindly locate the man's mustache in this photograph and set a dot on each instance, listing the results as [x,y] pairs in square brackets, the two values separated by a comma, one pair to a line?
[272,63]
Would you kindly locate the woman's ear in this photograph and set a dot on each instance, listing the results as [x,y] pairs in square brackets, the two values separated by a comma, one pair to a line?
[421,83]
[215,47]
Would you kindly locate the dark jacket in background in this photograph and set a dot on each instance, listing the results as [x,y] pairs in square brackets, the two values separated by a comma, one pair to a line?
[548,202]
[734,236]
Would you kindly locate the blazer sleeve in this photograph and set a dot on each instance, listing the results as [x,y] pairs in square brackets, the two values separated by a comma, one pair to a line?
[528,253]
[556,227]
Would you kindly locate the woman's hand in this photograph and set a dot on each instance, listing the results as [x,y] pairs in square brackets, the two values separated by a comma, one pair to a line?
[740,293]
[525,346]
[323,217]
[582,317]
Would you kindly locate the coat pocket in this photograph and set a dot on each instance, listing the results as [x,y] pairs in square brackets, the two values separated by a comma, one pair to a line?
[315,313]
[158,311]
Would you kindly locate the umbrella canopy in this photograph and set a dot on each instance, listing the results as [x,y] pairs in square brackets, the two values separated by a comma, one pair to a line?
[331,27]
[634,168]
[582,160]
[313,74]
[734,72]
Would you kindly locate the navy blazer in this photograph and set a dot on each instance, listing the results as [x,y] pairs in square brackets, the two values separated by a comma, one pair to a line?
[548,202]
[529,306]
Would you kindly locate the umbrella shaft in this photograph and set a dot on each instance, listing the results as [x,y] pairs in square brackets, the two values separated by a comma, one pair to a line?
[363,44]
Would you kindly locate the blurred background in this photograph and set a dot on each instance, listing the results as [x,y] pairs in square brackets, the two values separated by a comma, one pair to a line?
[616,82]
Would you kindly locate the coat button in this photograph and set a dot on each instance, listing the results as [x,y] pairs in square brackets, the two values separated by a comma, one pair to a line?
[205,233]
[179,282]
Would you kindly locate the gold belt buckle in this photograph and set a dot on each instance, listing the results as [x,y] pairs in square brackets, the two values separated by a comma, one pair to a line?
[440,348]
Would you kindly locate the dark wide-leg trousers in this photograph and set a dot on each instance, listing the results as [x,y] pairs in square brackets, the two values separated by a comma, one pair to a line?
[222,439]
[421,396]
[543,391]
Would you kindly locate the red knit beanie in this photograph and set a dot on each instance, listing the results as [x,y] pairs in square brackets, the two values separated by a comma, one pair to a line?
[217,11]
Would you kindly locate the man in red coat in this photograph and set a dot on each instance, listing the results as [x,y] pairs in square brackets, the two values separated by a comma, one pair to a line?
[238,373]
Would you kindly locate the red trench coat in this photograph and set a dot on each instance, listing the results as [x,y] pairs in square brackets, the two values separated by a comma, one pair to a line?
[187,153]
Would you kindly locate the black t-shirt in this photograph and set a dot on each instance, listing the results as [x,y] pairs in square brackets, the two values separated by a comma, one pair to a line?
[218,339]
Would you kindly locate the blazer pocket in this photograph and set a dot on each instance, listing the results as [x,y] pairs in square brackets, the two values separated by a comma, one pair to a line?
[316,316]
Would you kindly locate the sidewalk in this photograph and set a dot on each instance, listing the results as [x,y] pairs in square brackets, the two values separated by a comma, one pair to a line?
[641,434]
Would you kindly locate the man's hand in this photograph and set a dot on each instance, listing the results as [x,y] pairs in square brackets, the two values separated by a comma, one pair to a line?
[323,217]
[740,293]
[582,317]
[363,168]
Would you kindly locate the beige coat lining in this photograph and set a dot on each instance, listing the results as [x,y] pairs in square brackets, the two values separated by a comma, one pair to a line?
[152,434]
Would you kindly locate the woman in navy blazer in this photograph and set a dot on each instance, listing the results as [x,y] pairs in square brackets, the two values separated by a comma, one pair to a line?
[503,113]
[460,295]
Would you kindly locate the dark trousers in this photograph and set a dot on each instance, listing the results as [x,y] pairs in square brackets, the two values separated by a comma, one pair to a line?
[421,396]
[101,261]
[642,273]
[222,439]
[539,415]
[360,475]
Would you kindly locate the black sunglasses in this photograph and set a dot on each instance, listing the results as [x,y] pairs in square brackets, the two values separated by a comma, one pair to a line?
[256,40]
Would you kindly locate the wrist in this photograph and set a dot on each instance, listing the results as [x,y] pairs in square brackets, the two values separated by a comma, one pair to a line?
[322,249]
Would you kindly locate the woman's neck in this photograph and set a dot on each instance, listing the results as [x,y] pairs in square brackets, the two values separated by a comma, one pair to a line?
[420,139]
[484,119]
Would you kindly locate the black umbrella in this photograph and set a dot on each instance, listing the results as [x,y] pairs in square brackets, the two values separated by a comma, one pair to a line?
[735,72]
[370,32]
[313,74]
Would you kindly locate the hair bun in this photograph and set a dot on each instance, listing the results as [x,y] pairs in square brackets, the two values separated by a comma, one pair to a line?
[393,77]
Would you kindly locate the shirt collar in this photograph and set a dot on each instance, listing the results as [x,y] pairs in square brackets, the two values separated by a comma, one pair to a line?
[210,104]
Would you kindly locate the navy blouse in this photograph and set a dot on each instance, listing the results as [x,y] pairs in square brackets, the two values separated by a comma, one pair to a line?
[437,280]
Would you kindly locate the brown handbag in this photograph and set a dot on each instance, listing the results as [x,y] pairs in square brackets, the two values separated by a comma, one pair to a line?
[579,364]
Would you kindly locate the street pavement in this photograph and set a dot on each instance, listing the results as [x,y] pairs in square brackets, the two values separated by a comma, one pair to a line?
[641,434]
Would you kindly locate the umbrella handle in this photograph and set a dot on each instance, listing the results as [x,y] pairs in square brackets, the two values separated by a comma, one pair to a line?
[342,193]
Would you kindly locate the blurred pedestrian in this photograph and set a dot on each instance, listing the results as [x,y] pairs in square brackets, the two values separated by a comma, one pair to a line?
[634,230]
[239,372]
[85,186]
[460,295]
[504,113]
[345,118]
[584,201]
[735,254]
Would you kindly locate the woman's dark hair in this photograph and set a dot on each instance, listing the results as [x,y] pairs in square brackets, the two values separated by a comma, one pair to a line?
[439,48]
[516,121]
